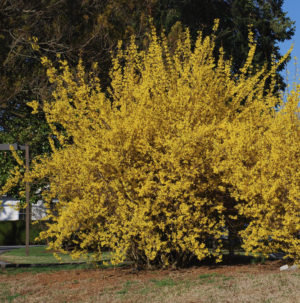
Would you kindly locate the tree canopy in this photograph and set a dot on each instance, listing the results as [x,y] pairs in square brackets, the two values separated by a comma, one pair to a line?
[270,25]
[32,29]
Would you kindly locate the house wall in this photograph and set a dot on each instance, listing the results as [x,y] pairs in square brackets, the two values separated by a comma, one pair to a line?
[38,210]
[8,214]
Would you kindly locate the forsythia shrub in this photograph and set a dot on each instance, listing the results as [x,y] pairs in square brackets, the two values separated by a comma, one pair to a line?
[262,163]
[164,167]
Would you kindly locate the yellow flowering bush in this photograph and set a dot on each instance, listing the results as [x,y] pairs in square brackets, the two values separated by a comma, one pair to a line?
[262,163]
[170,162]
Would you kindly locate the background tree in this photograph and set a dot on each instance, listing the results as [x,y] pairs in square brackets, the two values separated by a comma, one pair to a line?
[270,25]
[93,28]
[32,29]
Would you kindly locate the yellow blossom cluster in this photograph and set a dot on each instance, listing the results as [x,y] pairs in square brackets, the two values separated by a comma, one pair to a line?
[147,175]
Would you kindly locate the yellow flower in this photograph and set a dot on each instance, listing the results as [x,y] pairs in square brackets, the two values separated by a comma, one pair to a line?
[160,169]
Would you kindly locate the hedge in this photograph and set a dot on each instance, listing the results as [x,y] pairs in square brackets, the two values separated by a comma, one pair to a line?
[14,233]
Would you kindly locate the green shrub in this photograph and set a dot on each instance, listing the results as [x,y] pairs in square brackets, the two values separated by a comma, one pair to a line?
[14,233]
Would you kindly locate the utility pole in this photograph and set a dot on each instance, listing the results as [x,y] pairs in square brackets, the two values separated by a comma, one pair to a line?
[231,243]
[27,200]
[26,148]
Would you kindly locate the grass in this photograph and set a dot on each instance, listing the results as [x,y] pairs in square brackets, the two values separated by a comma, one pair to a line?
[126,287]
[168,287]
[5,295]
[149,292]
[210,288]
[164,282]
[256,260]
[39,255]
[83,283]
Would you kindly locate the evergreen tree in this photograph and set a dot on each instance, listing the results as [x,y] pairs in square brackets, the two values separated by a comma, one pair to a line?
[270,25]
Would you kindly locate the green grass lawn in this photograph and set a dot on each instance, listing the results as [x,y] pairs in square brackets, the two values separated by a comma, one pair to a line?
[38,255]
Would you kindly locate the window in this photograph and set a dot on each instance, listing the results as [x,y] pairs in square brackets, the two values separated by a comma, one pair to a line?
[22,213]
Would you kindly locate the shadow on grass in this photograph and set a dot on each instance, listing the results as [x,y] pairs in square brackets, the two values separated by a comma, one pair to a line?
[40,255]
[35,270]
[237,260]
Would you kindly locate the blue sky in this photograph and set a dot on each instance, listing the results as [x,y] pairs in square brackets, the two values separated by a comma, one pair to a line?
[292,8]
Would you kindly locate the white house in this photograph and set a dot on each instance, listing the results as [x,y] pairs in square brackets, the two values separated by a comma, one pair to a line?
[38,211]
[8,214]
